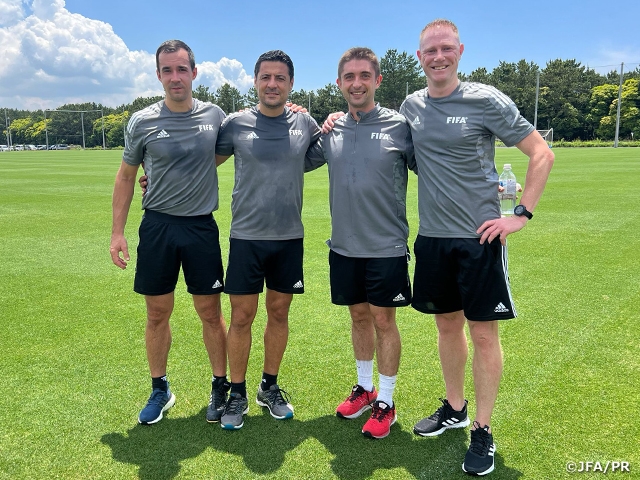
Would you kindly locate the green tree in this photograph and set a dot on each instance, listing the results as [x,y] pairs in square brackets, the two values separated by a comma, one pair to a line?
[37,131]
[518,82]
[202,93]
[114,125]
[251,98]
[629,112]
[303,98]
[567,98]
[401,72]
[602,97]
[141,102]
[19,130]
[328,99]
[67,123]
[479,75]
[229,98]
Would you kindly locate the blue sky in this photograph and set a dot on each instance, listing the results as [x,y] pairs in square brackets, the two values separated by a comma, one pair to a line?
[58,51]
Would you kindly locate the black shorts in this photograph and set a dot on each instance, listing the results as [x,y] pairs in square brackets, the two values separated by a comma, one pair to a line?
[166,242]
[461,274]
[252,262]
[383,282]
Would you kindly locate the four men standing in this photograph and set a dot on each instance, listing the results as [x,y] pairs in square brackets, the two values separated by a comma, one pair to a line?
[461,271]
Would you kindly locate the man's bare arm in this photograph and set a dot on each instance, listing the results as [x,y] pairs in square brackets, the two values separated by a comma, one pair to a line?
[121,202]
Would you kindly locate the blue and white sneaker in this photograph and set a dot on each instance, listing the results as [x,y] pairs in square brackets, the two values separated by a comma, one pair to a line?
[158,403]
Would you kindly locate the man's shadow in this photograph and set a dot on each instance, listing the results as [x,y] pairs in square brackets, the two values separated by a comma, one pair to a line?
[263,443]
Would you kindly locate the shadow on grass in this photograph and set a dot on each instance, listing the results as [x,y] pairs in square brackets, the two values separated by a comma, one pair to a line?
[158,450]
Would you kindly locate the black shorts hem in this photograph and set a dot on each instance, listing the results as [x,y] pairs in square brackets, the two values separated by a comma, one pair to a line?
[390,304]
[154,294]
[231,292]
[297,291]
[487,319]
[215,292]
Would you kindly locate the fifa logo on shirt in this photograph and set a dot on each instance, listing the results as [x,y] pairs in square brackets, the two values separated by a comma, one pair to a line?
[457,119]
[295,133]
[380,136]
[205,127]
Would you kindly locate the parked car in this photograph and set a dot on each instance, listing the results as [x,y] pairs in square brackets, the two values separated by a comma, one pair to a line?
[19,148]
[60,146]
[41,147]
[30,147]
[4,148]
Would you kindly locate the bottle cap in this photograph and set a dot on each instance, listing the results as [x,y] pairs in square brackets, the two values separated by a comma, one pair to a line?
[507,165]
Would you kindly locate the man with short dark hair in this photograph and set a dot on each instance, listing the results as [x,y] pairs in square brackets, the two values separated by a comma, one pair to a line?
[269,143]
[175,138]
[461,272]
[368,154]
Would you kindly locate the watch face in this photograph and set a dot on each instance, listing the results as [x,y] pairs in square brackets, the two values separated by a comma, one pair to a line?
[519,210]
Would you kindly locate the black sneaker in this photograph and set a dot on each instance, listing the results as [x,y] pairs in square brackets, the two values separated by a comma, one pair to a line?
[479,457]
[442,419]
[216,402]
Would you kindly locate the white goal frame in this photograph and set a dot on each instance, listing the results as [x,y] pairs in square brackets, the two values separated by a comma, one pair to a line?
[548,136]
[81,112]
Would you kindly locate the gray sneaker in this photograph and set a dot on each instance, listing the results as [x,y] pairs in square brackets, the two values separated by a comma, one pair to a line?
[234,410]
[276,400]
[217,401]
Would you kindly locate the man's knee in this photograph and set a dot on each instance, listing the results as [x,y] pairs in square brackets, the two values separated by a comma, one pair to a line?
[485,335]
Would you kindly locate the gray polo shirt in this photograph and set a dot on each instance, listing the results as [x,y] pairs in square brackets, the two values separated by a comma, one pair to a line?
[178,151]
[269,155]
[454,140]
[367,162]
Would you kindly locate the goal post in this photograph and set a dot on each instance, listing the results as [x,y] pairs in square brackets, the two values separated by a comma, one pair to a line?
[548,136]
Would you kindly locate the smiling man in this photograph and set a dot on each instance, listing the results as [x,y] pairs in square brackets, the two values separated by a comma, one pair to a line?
[175,138]
[368,154]
[269,143]
[461,273]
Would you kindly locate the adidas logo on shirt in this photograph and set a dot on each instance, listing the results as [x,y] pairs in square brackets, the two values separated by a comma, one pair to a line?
[217,284]
[252,136]
[399,298]
[298,284]
[163,134]
[500,308]
[416,121]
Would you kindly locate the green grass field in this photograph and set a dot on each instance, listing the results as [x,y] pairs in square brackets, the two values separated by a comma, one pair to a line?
[74,371]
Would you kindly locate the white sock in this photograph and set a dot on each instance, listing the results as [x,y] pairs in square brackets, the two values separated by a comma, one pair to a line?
[365,374]
[387,386]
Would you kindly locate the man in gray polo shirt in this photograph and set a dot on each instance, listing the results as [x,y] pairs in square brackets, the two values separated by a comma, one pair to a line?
[461,271]
[368,153]
[269,143]
[175,138]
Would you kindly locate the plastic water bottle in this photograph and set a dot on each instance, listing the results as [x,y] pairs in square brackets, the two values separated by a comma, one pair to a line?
[508,195]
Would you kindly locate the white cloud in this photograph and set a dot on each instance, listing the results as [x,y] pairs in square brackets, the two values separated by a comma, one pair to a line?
[11,12]
[52,56]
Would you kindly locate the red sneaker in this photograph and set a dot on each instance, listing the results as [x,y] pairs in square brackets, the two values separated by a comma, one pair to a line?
[382,417]
[357,403]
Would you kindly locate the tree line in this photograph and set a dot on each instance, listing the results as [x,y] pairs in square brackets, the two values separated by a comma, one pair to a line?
[574,100]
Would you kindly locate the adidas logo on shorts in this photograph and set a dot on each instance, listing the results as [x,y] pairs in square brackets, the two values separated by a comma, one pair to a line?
[298,284]
[500,308]
[217,284]
[399,298]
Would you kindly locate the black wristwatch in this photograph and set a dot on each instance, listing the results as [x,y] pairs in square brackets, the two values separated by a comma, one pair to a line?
[521,211]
